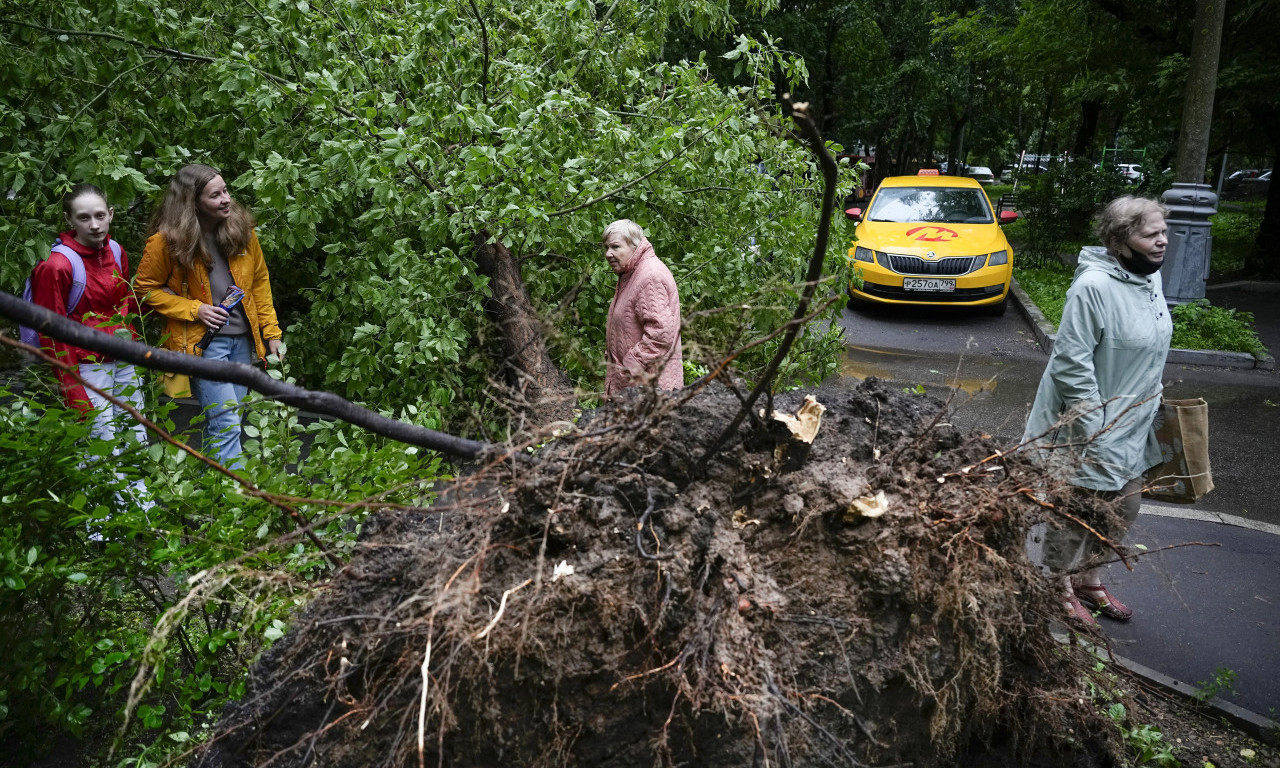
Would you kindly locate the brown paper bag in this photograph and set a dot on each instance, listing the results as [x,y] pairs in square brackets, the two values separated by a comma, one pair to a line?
[1182,429]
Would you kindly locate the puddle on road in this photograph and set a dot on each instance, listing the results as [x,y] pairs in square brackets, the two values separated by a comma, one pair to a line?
[861,369]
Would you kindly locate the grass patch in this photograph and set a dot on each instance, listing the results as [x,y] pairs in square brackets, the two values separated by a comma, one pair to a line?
[997,191]
[1198,325]
[1047,287]
[1234,234]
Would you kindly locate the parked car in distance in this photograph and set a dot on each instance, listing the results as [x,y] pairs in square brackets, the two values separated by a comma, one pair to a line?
[981,174]
[1254,185]
[931,240]
[1131,172]
[1244,173]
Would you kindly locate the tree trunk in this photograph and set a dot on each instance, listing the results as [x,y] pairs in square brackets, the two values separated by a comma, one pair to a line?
[540,389]
[1197,100]
[1044,126]
[826,115]
[1089,112]
[1264,261]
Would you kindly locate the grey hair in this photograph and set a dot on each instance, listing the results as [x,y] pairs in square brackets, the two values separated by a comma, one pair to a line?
[1122,217]
[629,230]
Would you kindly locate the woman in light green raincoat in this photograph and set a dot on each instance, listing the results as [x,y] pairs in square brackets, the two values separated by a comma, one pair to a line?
[1093,415]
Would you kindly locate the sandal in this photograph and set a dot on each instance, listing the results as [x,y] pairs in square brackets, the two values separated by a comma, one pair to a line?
[1078,614]
[1102,601]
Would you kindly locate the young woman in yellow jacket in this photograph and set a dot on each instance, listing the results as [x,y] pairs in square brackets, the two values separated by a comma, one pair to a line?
[202,244]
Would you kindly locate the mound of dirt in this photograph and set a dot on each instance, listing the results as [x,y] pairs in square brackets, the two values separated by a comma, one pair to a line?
[611,600]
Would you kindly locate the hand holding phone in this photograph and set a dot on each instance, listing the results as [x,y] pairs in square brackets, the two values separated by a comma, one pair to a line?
[229,302]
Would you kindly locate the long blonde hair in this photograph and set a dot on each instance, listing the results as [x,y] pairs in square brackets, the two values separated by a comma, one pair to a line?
[177,220]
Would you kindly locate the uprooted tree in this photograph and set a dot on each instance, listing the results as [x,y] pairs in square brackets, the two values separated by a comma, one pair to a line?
[680,579]
[430,181]
[726,593]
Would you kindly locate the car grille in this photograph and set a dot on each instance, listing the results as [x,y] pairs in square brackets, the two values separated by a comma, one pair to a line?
[914,265]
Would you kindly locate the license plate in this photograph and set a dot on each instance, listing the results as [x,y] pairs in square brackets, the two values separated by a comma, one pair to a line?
[928,284]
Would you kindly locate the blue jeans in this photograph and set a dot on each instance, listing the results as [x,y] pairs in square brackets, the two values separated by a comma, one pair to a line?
[220,400]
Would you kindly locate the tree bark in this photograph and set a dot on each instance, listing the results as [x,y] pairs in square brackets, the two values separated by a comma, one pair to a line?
[1090,111]
[542,389]
[1197,100]
[1264,260]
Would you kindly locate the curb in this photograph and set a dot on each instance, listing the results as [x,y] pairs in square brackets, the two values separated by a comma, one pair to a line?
[1160,509]
[1258,727]
[1249,286]
[1045,336]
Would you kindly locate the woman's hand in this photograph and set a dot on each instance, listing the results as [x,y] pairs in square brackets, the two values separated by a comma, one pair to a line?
[273,348]
[213,317]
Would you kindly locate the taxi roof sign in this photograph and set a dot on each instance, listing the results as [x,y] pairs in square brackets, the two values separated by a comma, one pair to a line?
[928,172]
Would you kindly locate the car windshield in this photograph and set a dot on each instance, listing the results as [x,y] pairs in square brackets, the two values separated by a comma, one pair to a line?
[905,205]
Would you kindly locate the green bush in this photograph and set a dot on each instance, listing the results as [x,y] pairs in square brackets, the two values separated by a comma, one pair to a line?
[176,601]
[1200,325]
[1234,235]
[1058,205]
[1197,325]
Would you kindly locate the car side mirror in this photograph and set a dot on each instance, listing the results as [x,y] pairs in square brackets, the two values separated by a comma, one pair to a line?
[1008,217]
[853,214]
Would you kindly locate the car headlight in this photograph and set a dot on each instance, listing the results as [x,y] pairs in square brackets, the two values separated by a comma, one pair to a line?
[999,258]
[863,254]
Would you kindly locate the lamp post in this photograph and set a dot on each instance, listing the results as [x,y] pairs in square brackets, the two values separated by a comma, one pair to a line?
[1191,202]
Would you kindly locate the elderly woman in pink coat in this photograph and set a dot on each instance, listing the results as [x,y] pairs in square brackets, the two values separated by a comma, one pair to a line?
[642,337]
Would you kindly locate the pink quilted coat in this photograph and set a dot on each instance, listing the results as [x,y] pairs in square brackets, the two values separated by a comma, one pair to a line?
[643,331]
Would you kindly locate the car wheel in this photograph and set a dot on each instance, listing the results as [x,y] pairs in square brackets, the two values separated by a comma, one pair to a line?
[997,310]
[858,304]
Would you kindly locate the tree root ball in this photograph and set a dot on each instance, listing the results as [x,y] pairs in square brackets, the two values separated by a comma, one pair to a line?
[616,600]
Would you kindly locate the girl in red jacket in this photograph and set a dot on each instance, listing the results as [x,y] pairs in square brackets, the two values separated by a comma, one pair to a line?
[105,305]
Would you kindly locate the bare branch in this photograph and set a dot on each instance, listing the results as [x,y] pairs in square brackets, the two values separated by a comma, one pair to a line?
[800,114]
[66,330]
[484,39]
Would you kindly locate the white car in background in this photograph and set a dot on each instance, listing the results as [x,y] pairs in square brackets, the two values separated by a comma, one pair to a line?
[981,174]
[1131,172]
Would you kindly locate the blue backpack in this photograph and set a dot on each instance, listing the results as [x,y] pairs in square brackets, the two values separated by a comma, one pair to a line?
[30,336]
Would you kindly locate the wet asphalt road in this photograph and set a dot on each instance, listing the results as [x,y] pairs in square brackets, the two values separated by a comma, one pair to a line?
[990,368]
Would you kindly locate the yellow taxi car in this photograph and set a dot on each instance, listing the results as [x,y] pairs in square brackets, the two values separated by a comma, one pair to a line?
[931,239]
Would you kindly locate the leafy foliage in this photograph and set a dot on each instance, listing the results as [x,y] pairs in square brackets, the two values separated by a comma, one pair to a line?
[1047,286]
[1196,325]
[375,142]
[1233,234]
[1059,203]
[168,607]
[1200,325]
[1147,742]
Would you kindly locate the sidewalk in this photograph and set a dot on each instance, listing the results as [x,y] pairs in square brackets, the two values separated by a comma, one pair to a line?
[1198,609]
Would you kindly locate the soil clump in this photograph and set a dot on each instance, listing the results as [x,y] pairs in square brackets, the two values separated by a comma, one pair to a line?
[613,600]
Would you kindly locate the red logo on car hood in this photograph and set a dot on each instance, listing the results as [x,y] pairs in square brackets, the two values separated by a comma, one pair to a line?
[933,234]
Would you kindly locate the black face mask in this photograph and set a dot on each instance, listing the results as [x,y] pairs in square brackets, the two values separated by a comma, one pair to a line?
[1136,263]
